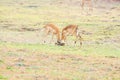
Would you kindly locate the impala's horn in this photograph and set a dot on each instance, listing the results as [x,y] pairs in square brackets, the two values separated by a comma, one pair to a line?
[59,43]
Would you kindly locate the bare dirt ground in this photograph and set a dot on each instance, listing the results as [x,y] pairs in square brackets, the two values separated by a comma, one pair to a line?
[23,64]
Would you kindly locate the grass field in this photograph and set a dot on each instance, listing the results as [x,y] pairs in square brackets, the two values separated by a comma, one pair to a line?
[24,57]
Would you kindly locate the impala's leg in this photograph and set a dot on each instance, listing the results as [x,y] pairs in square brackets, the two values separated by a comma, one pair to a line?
[82,5]
[75,41]
[78,38]
[45,35]
[66,41]
[90,6]
[44,38]
[51,38]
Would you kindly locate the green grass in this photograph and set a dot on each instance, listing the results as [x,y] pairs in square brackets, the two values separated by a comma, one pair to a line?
[9,68]
[85,50]
[1,61]
[3,78]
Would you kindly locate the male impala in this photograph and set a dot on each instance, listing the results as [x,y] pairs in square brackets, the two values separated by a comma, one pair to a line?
[73,31]
[88,2]
[51,29]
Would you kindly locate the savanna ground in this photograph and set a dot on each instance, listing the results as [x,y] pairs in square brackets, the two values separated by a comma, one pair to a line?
[24,57]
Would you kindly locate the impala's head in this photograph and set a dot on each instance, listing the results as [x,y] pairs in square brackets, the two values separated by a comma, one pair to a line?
[59,43]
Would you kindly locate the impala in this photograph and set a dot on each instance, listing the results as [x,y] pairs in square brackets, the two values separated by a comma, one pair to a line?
[73,31]
[51,29]
[88,2]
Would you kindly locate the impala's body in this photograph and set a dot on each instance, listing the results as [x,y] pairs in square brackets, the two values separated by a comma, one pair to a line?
[71,30]
[87,2]
[51,29]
